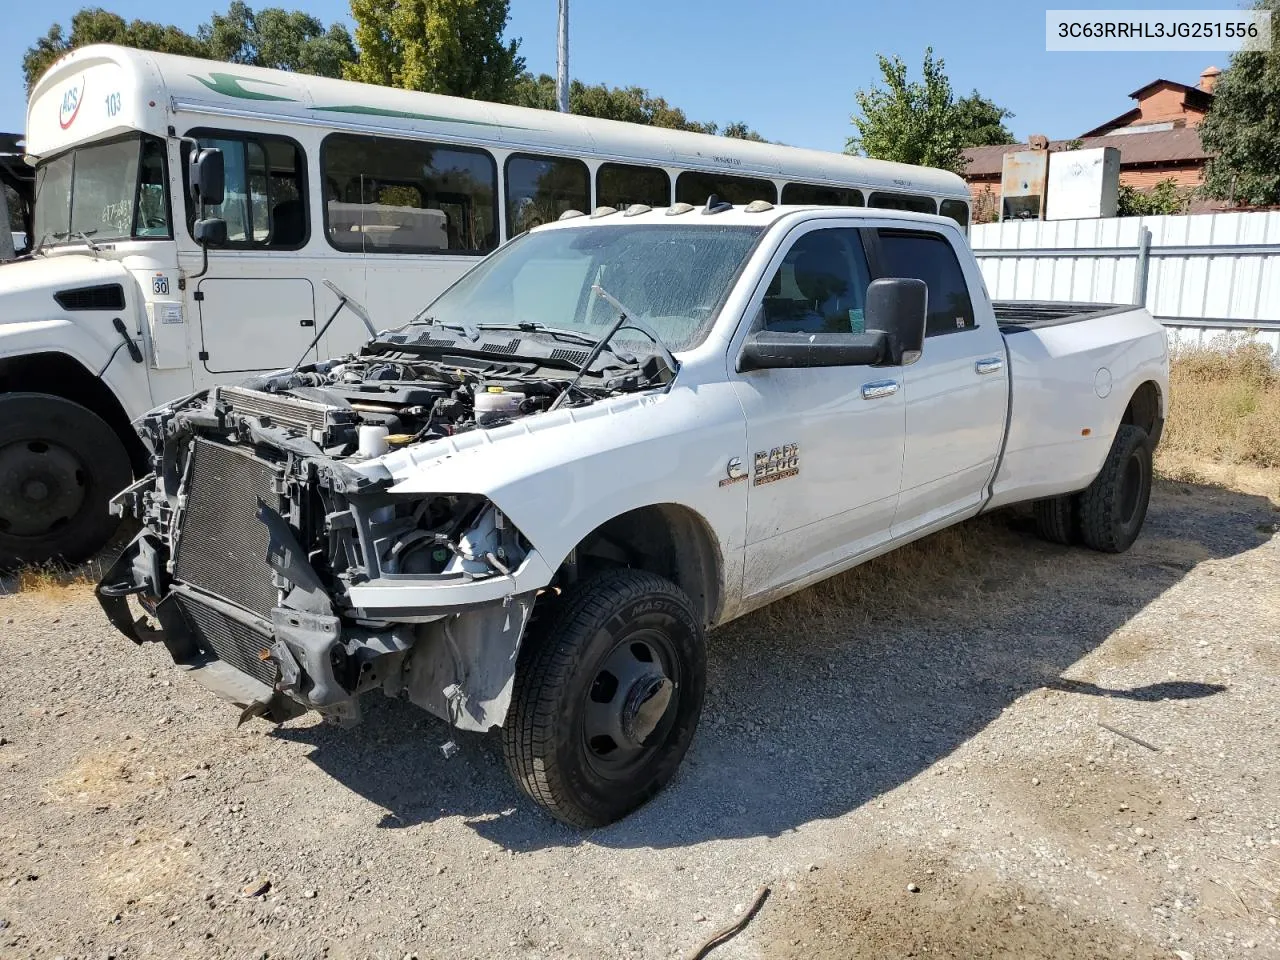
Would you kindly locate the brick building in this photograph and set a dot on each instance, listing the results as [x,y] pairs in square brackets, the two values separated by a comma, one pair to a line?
[1158,140]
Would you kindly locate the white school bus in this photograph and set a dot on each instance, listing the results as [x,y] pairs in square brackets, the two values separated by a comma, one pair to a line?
[387,193]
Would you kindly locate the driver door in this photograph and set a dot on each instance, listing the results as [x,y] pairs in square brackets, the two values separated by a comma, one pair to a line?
[826,443]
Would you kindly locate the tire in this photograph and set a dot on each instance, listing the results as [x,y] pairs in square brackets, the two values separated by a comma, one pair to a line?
[581,684]
[1056,519]
[60,464]
[1113,507]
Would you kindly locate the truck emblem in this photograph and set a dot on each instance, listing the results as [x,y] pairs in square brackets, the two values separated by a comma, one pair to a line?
[734,472]
[70,105]
[777,464]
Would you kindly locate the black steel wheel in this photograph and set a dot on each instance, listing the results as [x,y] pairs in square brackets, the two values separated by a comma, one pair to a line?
[60,464]
[1114,506]
[607,696]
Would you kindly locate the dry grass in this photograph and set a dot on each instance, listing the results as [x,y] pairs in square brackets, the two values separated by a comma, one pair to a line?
[1224,405]
[52,582]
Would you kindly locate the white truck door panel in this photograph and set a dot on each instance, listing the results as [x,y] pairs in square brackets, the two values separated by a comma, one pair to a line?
[254,323]
[825,444]
[957,397]
[957,393]
[823,471]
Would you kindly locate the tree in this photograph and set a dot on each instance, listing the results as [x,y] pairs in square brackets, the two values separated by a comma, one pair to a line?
[1162,199]
[95,25]
[1243,127]
[920,122]
[278,38]
[981,121]
[439,46]
[740,131]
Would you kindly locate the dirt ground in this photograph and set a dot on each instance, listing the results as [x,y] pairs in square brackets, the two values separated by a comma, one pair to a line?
[982,746]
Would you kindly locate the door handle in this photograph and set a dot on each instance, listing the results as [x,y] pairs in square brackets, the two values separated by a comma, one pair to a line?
[989,365]
[878,389]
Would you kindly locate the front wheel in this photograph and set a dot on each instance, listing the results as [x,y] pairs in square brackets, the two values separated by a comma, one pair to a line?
[607,696]
[60,464]
[1113,507]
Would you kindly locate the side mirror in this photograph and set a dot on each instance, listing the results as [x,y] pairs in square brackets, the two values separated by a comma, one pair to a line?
[210,233]
[206,177]
[898,307]
[769,349]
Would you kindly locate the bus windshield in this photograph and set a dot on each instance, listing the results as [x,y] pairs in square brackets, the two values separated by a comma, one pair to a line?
[674,276]
[103,191]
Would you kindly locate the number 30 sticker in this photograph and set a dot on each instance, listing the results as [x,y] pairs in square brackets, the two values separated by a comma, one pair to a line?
[160,285]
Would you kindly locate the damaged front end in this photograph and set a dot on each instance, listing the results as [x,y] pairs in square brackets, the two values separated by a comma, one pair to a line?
[278,565]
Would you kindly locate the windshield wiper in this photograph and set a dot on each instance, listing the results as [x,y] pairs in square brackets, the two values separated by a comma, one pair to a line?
[75,235]
[625,319]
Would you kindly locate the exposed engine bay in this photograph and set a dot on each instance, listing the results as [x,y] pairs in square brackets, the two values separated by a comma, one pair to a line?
[274,544]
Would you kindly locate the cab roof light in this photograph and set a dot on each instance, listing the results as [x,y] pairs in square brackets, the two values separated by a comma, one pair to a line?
[636,209]
[679,208]
[599,212]
[571,214]
[715,205]
[759,206]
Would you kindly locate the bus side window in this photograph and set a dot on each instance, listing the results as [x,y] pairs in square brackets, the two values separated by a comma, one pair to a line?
[695,187]
[902,201]
[958,211]
[540,189]
[264,205]
[387,195]
[622,184]
[812,195]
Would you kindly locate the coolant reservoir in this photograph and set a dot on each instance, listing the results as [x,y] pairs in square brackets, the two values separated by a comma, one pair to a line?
[494,400]
[372,440]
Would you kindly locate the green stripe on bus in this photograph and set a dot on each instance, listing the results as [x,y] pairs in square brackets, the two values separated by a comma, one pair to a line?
[406,115]
[229,85]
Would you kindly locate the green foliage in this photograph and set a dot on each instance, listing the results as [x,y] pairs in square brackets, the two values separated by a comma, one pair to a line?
[1243,128]
[453,47]
[1076,144]
[277,38]
[95,25]
[287,40]
[981,122]
[1163,199]
[921,122]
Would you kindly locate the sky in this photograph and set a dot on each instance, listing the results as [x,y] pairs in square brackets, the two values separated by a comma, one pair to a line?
[789,70]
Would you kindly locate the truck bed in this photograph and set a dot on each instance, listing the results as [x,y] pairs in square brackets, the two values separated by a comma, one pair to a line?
[1015,316]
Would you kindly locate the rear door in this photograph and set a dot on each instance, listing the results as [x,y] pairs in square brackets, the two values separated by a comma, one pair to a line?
[825,443]
[957,393]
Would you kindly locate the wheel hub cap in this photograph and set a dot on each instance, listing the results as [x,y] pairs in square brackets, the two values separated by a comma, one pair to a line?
[631,704]
[42,486]
[645,705]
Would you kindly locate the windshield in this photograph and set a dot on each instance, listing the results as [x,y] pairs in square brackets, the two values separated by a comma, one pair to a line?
[106,191]
[675,276]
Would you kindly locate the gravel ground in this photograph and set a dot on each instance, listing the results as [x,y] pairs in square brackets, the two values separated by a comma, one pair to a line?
[913,757]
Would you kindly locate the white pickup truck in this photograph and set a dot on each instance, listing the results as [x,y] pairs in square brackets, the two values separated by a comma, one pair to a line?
[525,508]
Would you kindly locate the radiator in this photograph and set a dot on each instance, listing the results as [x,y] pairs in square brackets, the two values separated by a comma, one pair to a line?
[222,545]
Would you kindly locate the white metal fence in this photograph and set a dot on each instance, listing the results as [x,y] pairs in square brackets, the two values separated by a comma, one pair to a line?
[1201,275]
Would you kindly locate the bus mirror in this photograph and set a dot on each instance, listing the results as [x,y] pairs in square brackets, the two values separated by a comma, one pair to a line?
[207,180]
[210,233]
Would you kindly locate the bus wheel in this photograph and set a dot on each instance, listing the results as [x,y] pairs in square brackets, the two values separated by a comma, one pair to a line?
[60,464]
